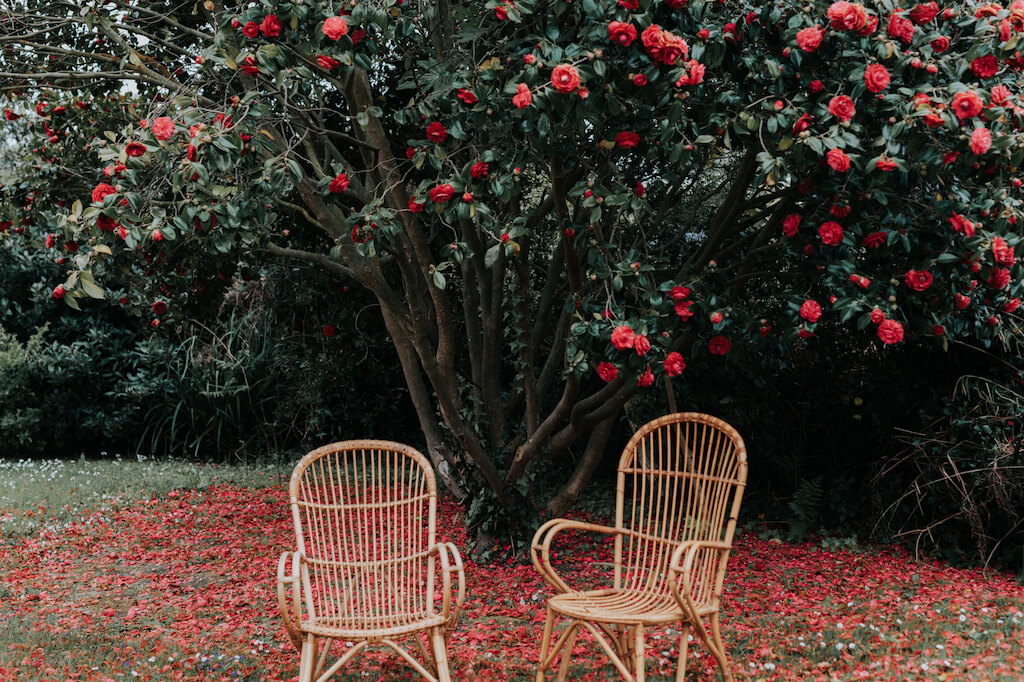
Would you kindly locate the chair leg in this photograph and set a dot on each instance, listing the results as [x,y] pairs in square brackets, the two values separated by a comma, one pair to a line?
[545,645]
[684,645]
[307,659]
[624,645]
[719,649]
[640,668]
[440,655]
[563,666]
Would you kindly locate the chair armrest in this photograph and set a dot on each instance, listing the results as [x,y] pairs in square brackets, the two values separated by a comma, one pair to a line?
[291,614]
[540,548]
[451,562]
[681,566]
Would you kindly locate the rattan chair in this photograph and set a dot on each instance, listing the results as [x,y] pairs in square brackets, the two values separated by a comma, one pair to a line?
[366,564]
[680,483]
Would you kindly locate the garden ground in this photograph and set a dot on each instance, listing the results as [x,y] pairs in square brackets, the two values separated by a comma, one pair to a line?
[124,570]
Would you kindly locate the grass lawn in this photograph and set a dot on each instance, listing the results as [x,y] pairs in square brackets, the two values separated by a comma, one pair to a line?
[125,570]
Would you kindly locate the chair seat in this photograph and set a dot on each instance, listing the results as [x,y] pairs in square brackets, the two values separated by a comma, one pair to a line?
[621,606]
[355,629]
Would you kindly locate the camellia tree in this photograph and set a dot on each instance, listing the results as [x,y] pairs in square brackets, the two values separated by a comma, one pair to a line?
[557,205]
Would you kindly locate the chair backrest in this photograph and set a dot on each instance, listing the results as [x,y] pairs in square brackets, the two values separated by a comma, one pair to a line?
[364,515]
[681,477]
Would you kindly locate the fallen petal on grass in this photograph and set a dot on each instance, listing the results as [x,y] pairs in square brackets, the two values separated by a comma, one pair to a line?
[182,587]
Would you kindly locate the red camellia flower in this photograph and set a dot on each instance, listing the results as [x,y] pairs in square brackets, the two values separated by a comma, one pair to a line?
[925,12]
[251,29]
[847,16]
[890,332]
[1011,305]
[271,26]
[250,66]
[831,233]
[335,27]
[694,74]
[640,190]
[966,105]
[467,197]
[623,337]
[715,317]
[876,77]
[436,132]
[1003,252]
[842,107]
[565,78]
[981,140]
[809,39]
[678,293]
[682,309]
[662,46]
[442,193]
[985,66]
[940,44]
[703,34]
[159,308]
[962,225]
[791,224]
[641,345]
[810,310]
[607,371]
[999,95]
[163,128]
[802,123]
[58,291]
[875,240]
[674,364]
[102,190]
[918,280]
[523,97]
[329,330]
[938,330]
[961,301]
[135,149]
[719,345]
[626,139]
[877,316]
[639,80]
[645,379]
[999,279]
[901,29]
[884,163]
[105,223]
[815,86]
[339,184]
[478,170]
[466,96]
[838,160]
[327,63]
[415,206]
[621,32]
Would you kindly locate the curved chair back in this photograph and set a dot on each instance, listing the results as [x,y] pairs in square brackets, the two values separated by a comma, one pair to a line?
[681,478]
[364,514]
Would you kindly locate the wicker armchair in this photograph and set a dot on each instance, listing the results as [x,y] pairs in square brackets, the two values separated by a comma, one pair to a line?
[365,570]
[680,483]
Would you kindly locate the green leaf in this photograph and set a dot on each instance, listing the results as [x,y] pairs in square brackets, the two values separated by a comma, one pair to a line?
[90,288]
[491,257]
